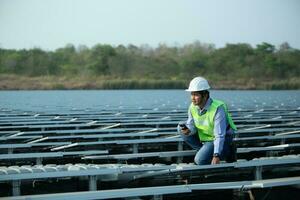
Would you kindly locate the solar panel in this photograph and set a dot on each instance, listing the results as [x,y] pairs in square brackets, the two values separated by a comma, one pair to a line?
[124,145]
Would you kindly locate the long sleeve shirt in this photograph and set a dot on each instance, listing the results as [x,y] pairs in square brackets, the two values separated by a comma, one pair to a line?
[220,125]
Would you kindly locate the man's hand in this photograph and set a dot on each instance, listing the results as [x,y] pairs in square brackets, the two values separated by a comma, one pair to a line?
[215,160]
[185,131]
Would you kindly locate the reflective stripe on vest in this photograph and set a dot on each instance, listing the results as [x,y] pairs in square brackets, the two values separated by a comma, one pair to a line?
[205,123]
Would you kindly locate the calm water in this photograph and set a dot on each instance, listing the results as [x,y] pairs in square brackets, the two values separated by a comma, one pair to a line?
[98,99]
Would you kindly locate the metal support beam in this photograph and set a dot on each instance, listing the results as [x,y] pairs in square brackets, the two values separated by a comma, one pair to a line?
[158,197]
[180,148]
[39,161]
[239,193]
[92,183]
[16,188]
[164,190]
[271,154]
[258,173]
[135,148]
[251,196]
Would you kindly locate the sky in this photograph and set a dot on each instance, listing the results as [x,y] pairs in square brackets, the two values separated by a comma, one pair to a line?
[52,24]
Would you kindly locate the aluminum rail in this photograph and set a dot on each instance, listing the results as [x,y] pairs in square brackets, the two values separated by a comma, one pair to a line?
[14,146]
[162,190]
[90,131]
[279,136]
[257,164]
[50,154]
[56,171]
[269,148]
[53,171]
[143,155]
[120,142]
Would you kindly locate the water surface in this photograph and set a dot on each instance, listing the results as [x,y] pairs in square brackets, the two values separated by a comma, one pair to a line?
[171,99]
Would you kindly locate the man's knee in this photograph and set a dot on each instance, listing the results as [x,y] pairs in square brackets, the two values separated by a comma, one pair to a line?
[198,161]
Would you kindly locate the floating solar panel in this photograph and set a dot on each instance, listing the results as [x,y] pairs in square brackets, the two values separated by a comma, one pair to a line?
[134,152]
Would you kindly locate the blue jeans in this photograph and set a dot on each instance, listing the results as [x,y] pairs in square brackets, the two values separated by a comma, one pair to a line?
[206,149]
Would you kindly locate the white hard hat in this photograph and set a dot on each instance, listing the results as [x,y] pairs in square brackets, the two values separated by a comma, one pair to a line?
[198,84]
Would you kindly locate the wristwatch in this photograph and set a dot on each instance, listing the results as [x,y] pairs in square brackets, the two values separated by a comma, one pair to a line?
[216,155]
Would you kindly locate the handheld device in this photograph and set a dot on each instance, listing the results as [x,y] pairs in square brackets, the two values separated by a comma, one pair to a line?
[183,126]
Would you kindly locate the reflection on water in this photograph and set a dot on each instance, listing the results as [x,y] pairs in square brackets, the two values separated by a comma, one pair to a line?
[169,99]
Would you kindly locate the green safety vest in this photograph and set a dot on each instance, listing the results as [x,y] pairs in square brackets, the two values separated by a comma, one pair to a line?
[205,123]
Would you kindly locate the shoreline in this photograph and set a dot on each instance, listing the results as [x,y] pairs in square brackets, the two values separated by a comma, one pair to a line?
[14,82]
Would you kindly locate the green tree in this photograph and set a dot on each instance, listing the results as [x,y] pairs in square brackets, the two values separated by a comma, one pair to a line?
[100,56]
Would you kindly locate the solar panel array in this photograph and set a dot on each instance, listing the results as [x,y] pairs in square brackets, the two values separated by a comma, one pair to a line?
[137,152]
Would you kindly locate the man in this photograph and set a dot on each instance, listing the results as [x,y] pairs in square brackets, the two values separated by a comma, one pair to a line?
[209,128]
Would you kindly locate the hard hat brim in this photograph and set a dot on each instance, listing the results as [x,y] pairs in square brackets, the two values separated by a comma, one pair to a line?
[188,90]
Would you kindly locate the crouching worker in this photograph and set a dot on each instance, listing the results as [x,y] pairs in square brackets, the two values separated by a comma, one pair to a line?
[209,128]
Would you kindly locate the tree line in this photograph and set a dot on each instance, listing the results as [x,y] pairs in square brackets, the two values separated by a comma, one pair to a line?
[234,61]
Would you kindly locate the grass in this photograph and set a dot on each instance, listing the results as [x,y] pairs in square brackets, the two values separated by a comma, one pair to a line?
[14,82]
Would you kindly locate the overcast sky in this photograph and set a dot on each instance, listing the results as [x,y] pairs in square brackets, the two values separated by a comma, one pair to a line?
[50,24]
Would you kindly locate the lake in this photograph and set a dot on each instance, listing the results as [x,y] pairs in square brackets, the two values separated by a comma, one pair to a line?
[171,99]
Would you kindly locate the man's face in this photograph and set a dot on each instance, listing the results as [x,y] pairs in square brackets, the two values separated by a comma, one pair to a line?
[197,98]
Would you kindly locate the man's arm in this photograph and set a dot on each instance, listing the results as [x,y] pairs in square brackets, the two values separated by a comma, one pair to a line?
[189,124]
